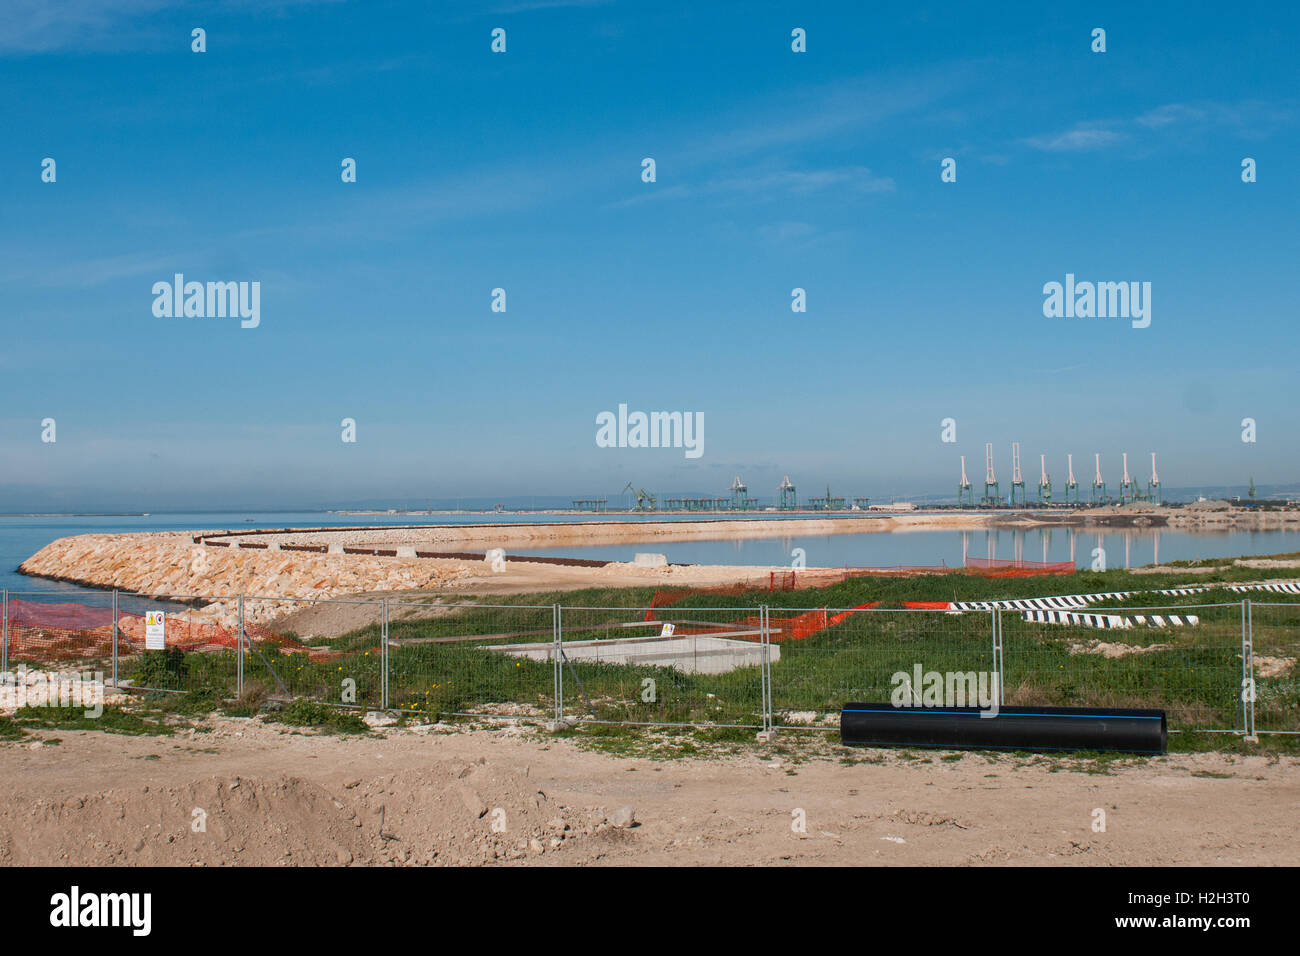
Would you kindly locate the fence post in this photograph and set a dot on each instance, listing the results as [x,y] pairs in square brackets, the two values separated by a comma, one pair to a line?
[4,629]
[114,638]
[1248,671]
[996,614]
[557,650]
[239,653]
[765,672]
[383,658]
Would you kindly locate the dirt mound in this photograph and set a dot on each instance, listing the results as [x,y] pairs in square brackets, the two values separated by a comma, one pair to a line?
[510,796]
[1116,649]
[452,814]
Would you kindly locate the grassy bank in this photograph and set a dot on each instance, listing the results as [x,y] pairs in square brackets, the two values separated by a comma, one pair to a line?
[443,665]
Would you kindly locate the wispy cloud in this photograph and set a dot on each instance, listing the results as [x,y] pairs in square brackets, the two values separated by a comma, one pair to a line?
[782,232]
[1249,118]
[527,6]
[1084,136]
[815,113]
[854,179]
[41,26]
[48,26]
[85,273]
[1171,114]
[847,180]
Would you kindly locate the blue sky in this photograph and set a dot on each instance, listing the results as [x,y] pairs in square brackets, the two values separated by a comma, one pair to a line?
[521,170]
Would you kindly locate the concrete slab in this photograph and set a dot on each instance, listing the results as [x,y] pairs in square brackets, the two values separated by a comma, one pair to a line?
[690,654]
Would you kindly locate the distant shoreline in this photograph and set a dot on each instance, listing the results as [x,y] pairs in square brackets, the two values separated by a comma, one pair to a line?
[76,514]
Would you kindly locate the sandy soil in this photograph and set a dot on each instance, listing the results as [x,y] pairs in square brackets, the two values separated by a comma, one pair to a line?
[274,798]
[1211,569]
[1168,569]
[483,536]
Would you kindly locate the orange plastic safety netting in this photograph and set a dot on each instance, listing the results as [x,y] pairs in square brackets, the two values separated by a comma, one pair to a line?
[781,629]
[40,631]
[1016,568]
[58,632]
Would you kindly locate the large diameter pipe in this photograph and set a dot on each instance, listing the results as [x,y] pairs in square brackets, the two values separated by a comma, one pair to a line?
[1013,728]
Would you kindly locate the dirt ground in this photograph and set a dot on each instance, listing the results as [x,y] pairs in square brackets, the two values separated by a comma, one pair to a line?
[517,796]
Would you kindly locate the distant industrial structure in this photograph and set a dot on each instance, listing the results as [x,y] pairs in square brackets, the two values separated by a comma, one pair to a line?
[991,499]
[738,499]
[1070,484]
[1130,487]
[787,499]
[829,503]
[739,495]
[1017,479]
[1099,485]
[965,494]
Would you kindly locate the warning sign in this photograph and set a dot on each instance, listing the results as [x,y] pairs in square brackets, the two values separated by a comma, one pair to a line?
[155,630]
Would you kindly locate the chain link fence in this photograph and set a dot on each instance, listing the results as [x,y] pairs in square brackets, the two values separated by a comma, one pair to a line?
[1186,660]
[832,656]
[470,660]
[1273,633]
[666,666]
[1213,667]
[188,649]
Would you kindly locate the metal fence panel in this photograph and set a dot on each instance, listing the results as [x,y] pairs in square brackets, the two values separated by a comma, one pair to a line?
[1185,659]
[830,656]
[471,659]
[674,665]
[1275,645]
[48,631]
[291,650]
[1212,667]
[198,651]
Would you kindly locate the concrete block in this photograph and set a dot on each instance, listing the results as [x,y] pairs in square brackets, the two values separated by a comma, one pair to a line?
[693,654]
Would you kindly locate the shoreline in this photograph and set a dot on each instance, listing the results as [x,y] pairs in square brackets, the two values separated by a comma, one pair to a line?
[324,563]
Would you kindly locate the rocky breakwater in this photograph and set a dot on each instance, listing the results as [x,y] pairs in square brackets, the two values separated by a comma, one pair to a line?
[172,564]
[1224,516]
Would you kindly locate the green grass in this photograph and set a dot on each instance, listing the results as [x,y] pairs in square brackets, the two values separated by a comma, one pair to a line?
[1270,745]
[658,743]
[114,720]
[1196,679]
[303,712]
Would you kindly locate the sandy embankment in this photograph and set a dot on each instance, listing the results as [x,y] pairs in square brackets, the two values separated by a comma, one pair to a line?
[172,564]
[603,533]
[229,563]
[425,797]
[1218,519]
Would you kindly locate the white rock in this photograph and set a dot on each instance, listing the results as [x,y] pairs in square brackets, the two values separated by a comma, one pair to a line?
[624,817]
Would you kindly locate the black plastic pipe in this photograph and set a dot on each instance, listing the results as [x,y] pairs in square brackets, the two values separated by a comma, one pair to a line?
[1013,728]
